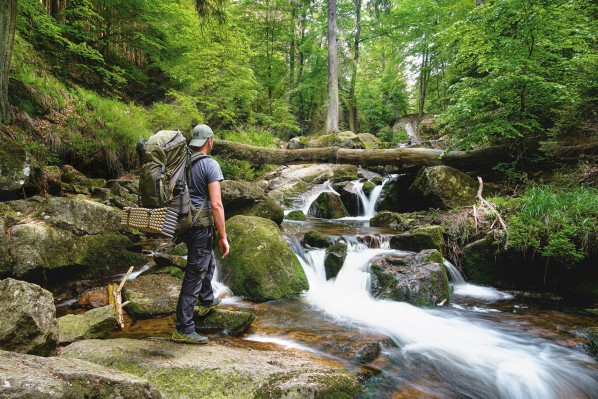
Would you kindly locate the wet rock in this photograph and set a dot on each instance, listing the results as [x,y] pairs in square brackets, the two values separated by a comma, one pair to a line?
[72,175]
[296,215]
[367,188]
[262,267]
[229,322]
[170,270]
[419,279]
[165,260]
[28,323]
[444,187]
[349,193]
[590,335]
[425,237]
[94,298]
[335,257]
[328,206]
[15,170]
[94,324]
[316,239]
[243,198]
[482,261]
[231,371]
[152,295]
[33,377]
[396,221]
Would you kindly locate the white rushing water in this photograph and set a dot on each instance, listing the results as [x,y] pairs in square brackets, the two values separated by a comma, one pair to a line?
[481,360]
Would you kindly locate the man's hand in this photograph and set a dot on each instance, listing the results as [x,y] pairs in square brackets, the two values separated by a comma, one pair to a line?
[224,247]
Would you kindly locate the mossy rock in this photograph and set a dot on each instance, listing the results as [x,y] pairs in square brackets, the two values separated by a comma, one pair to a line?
[220,370]
[179,250]
[243,198]
[335,258]
[393,220]
[152,295]
[367,188]
[36,248]
[174,271]
[296,215]
[481,261]
[261,266]
[167,260]
[316,239]
[229,322]
[93,324]
[419,279]
[328,206]
[5,267]
[15,169]
[425,237]
[444,187]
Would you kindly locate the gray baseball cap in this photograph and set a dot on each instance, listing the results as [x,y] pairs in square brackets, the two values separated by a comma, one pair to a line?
[200,134]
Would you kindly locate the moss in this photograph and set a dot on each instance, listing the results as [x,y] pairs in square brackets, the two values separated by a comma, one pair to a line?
[296,215]
[180,250]
[335,258]
[179,382]
[230,322]
[109,251]
[368,186]
[427,237]
[316,239]
[305,383]
[171,270]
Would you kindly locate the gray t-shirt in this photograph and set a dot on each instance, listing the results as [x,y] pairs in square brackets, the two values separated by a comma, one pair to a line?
[203,172]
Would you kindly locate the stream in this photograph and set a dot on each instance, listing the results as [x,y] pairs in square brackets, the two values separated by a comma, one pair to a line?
[483,343]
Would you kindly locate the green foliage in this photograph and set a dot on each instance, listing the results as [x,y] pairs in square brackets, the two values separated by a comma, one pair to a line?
[179,113]
[514,65]
[561,224]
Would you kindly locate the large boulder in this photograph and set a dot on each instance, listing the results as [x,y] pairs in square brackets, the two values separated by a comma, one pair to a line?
[28,323]
[425,237]
[15,169]
[94,324]
[444,187]
[349,192]
[419,279]
[152,295]
[242,198]
[316,239]
[221,370]
[37,248]
[34,377]
[261,265]
[328,205]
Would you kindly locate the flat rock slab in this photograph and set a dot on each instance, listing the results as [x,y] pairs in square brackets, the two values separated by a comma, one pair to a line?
[220,369]
[33,377]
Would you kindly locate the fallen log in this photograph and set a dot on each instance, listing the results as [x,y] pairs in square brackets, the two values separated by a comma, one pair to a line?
[481,159]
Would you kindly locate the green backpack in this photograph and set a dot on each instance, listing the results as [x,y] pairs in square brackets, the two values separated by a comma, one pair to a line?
[166,167]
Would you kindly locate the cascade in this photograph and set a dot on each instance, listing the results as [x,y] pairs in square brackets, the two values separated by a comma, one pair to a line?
[477,358]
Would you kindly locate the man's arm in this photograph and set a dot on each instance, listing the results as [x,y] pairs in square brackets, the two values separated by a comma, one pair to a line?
[218,215]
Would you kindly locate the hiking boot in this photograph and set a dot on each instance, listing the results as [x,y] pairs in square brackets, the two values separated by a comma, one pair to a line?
[191,338]
[204,309]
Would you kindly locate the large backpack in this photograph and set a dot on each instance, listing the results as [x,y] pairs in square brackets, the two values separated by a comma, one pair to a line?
[166,167]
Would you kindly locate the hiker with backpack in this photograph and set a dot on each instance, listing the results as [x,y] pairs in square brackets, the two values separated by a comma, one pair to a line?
[206,198]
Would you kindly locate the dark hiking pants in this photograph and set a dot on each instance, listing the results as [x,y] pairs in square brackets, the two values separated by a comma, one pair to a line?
[197,283]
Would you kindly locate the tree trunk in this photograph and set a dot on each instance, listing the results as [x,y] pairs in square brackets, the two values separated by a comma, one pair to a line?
[8,19]
[475,160]
[333,100]
[353,108]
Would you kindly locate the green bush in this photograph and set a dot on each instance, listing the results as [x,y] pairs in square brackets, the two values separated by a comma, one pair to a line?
[561,224]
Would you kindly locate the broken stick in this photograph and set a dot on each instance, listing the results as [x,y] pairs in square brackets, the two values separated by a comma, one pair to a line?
[118,304]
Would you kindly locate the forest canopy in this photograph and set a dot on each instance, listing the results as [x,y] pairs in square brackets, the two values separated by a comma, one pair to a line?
[487,70]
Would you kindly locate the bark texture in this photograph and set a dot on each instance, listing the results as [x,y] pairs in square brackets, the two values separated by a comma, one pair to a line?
[8,18]
[333,99]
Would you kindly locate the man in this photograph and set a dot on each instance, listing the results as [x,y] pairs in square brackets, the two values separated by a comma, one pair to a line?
[204,189]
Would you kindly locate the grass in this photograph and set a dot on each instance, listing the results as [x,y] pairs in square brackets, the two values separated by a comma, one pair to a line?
[559,223]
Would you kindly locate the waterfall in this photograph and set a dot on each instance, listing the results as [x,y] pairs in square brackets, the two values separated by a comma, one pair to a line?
[367,204]
[477,359]
[461,287]
[303,202]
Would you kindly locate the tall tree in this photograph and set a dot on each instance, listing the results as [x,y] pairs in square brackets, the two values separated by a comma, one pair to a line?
[332,118]
[353,108]
[8,17]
